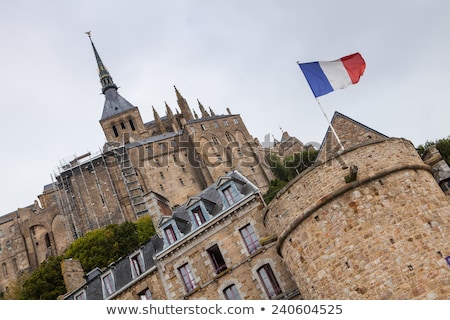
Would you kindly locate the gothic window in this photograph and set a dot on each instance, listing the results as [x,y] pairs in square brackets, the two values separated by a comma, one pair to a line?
[145,294]
[137,265]
[122,125]
[80,296]
[250,238]
[170,235]
[203,127]
[217,259]
[229,196]
[198,216]
[132,125]
[47,240]
[187,277]
[108,285]
[229,137]
[215,139]
[269,281]
[116,133]
[236,121]
[231,293]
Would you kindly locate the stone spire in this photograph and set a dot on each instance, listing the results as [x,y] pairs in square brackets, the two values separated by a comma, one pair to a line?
[114,102]
[184,107]
[158,121]
[212,112]
[205,114]
[105,78]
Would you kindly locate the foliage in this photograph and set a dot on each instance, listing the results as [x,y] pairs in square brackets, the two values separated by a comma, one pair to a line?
[275,186]
[98,248]
[286,169]
[443,146]
[45,283]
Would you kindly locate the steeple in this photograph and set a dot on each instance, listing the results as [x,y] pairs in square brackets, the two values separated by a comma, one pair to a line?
[184,107]
[105,78]
[114,102]
[202,110]
[158,121]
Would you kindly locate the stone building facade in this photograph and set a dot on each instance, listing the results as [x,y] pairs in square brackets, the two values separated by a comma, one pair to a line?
[176,155]
[214,246]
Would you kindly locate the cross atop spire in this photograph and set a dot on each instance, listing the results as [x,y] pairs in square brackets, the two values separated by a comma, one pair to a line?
[105,78]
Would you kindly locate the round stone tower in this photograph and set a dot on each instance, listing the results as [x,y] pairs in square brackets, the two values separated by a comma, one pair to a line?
[371,223]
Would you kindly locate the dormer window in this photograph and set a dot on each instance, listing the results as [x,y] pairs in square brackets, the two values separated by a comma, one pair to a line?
[198,216]
[229,197]
[108,285]
[137,265]
[170,234]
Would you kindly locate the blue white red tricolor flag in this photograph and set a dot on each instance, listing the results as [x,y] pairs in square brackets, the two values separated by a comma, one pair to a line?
[327,76]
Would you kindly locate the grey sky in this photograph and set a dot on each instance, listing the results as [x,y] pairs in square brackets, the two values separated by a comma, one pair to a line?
[239,54]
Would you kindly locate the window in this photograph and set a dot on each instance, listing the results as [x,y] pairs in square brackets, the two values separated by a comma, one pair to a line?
[80,296]
[12,229]
[8,244]
[231,293]
[108,285]
[1,249]
[116,133]
[229,136]
[198,216]
[132,124]
[215,139]
[137,265]
[193,129]
[5,270]
[236,121]
[269,281]
[203,127]
[122,125]
[181,181]
[145,294]
[1,233]
[225,123]
[216,125]
[170,234]
[229,196]
[161,175]
[217,259]
[250,238]
[187,277]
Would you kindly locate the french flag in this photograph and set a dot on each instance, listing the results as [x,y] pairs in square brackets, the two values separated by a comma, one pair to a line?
[327,76]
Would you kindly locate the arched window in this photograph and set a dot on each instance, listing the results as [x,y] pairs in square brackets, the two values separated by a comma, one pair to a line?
[269,281]
[231,293]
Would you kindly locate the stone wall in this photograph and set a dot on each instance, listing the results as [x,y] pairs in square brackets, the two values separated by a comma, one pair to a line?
[384,235]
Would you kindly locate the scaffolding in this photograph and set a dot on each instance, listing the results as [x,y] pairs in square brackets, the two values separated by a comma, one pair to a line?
[76,194]
[132,184]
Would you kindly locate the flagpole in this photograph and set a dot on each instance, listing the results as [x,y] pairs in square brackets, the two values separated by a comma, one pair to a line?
[331,126]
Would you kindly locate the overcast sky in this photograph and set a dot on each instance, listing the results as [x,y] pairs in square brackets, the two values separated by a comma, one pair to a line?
[239,54]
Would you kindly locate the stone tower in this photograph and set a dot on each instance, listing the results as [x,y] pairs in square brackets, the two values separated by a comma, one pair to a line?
[369,222]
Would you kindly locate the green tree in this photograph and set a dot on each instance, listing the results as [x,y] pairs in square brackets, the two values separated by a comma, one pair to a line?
[98,248]
[288,168]
[46,283]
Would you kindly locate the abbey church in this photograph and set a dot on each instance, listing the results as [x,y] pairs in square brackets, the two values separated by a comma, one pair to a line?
[369,220]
